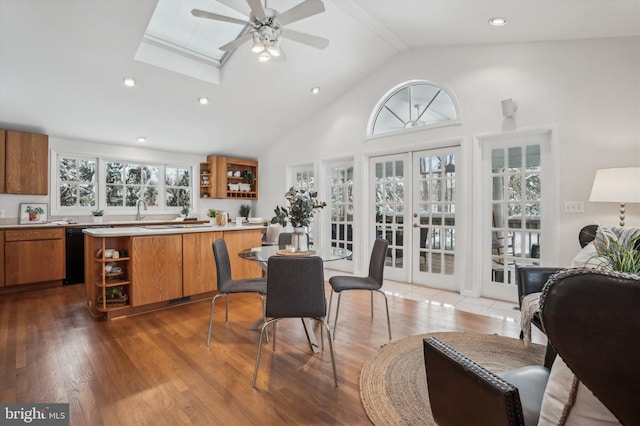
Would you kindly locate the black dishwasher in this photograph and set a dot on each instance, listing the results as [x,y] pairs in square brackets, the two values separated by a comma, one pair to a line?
[75,256]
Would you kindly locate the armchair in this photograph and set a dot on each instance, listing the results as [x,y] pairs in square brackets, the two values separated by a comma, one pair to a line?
[602,356]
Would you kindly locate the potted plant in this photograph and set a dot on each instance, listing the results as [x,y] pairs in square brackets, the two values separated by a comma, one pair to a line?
[249,176]
[97,215]
[245,209]
[34,212]
[302,206]
[616,252]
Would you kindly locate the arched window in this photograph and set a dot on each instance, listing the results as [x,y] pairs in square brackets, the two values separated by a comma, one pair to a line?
[413,104]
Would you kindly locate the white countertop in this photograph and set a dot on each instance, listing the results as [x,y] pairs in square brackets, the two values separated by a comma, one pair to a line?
[178,228]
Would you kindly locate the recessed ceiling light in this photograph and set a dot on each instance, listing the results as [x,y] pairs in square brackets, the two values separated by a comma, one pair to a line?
[129,82]
[142,139]
[203,100]
[498,21]
[315,90]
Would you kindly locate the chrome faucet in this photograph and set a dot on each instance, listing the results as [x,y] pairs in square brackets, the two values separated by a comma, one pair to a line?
[144,203]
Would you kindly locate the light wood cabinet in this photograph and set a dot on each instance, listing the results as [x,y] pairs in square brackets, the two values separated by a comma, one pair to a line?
[199,272]
[3,161]
[26,163]
[238,241]
[156,269]
[242,187]
[1,258]
[33,256]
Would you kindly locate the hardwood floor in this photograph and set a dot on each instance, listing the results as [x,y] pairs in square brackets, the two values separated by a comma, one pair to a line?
[155,369]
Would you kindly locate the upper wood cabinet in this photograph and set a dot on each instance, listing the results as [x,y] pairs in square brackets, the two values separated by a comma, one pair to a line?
[24,163]
[229,178]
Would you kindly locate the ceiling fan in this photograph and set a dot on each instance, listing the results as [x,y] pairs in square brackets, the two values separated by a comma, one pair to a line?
[267,27]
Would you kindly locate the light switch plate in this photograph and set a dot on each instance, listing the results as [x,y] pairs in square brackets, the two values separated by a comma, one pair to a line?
[574,207]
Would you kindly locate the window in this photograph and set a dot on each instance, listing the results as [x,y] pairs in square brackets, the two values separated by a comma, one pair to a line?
[119,185]
[341,205]
[126,183]
[413,104]
[516,196]
[77,181]
[177,186]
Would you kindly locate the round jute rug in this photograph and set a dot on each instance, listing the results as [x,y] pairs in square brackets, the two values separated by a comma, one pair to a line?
[393,384]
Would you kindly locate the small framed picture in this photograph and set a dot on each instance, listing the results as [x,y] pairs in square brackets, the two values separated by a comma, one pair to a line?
[31,213]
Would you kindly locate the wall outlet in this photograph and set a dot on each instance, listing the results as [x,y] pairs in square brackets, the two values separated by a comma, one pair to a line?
[574,207]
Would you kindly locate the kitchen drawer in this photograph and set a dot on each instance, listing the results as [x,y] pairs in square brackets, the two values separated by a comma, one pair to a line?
[34,234]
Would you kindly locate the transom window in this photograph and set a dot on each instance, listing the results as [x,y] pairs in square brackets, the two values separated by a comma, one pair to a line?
[413,104]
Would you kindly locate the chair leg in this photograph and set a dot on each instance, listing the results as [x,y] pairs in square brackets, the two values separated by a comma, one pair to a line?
[226,316]
[333,361]
[371,293]
[264,314]
[275,328]
[335,322]
[329,307]
[213,305]
[255,371]
[386,305]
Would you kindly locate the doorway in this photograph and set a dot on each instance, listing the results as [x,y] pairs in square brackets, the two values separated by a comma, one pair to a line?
[415,205]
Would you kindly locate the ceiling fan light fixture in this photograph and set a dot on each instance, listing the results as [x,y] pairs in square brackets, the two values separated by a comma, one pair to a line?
[264,57]
[274,48]
[258,46]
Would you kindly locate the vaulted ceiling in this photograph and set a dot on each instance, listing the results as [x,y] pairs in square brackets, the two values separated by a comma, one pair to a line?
[62,63]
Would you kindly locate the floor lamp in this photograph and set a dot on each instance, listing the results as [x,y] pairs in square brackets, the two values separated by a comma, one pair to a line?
[620,185]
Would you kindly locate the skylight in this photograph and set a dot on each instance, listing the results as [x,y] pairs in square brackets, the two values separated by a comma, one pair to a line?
[178,41]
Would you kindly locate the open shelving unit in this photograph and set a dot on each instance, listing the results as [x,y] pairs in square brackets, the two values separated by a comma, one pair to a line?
[102,278]
[219,178]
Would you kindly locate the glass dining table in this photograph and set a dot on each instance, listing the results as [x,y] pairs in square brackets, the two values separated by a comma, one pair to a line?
[262,254]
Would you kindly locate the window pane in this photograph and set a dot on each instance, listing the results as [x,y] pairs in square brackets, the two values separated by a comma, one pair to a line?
[68,193]
[68,169]
[114,172]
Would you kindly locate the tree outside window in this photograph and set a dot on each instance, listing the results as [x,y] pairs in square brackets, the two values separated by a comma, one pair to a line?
[126,183]
[77,181]
[177,186]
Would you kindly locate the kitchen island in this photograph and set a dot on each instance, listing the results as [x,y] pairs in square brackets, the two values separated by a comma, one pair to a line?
[131,270]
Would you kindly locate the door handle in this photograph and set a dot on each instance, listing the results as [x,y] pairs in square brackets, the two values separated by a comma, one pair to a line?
[415,225]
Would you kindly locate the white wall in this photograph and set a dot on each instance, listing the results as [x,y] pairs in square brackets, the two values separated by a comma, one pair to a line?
[589,89]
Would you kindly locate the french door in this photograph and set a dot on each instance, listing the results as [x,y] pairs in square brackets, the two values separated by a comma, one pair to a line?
[414,202]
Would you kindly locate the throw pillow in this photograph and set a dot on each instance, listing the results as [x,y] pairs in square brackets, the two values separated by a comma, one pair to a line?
[587,258]
[567,401]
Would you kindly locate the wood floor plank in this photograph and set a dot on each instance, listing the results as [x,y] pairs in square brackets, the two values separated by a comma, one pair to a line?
[156,369]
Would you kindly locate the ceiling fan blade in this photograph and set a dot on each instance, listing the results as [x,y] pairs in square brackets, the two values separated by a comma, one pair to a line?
[203,14]
[257,9]
[236,5]
[301,11]
[235,43]
[304,38]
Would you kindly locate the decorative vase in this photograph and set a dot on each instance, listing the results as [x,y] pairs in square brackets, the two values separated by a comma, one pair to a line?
[299,238]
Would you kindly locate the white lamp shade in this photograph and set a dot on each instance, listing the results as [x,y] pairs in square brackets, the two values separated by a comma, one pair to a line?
[621,185]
